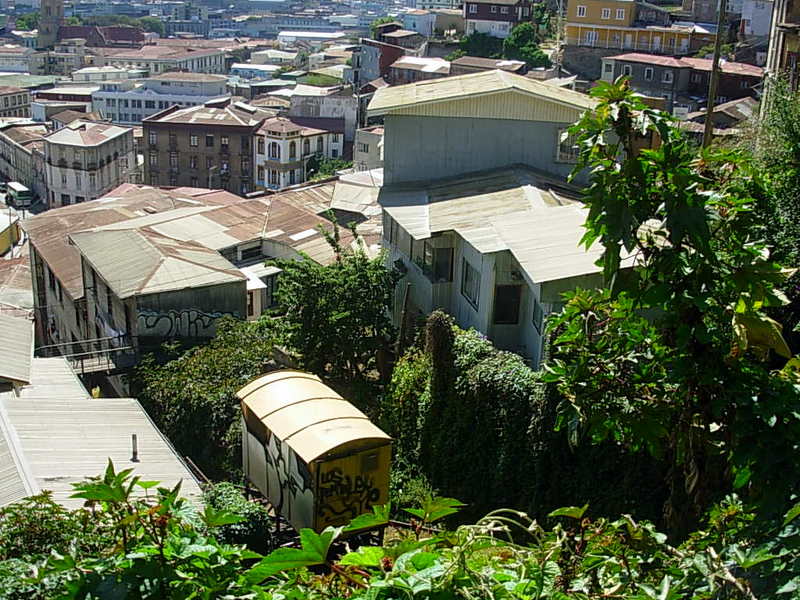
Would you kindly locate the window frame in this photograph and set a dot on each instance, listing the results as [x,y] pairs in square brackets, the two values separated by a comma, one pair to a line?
[580,11]
[517,301]
[466,270]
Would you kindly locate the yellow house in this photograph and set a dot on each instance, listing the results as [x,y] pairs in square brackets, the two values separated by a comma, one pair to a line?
[627,25]
[9,228]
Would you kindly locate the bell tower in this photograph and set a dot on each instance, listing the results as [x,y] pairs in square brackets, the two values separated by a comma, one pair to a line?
[51,15]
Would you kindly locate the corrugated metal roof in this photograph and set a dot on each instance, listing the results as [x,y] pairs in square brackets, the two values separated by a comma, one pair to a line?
[16,285]
[448,89]
[138,261]
[306,414]
[514,209]
[16,348]
[65,436]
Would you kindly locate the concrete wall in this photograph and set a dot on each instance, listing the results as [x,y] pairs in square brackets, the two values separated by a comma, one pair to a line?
[188,314]
[336,106]
[423,148]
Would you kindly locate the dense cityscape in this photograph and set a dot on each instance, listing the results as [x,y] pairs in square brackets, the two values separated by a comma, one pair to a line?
[399,299]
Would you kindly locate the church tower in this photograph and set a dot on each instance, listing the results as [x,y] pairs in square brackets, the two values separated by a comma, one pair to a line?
[51,15]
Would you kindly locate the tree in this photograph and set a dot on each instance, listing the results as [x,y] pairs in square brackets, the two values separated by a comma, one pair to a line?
[373,27]
[676,357]
[152,25]
[192,398]
[320,167]
[336,316]
[521,44]
[28,21]
[481,44]
[73,20]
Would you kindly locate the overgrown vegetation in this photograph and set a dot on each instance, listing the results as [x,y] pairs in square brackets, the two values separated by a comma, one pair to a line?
[320,167]
[254,527]
[192,398]
[522,44]
[160,546]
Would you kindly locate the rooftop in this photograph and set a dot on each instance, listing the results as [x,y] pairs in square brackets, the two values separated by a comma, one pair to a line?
[49,231]
[137,262]
[516,209]
[182,76]
[16,287]
[448,89]
[236,114]
[16,350]
[157,52]
[489,63]
[24,134]
[400,33]
[73,90]
[700,64]
[301,125]
[55,434]
[11,89]
[81,132]
[68,116]
[426,65]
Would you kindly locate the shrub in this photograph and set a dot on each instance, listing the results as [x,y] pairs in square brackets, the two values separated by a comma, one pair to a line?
[255,528]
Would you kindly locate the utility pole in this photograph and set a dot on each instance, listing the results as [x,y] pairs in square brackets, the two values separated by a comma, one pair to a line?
[708,130]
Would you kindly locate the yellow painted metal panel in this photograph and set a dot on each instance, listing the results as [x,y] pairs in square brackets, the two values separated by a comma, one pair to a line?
[351,485]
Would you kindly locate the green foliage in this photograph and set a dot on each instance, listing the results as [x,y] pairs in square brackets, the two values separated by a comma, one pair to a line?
[320,167]
[320,80]
[522,44]
[254,528]
[152,25]
[689,383]
[726,51]
[73,21]
[28,21]
[336,316]
[373,26]
[192,398]
[481,44]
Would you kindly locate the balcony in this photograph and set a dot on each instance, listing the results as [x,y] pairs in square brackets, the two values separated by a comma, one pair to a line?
[633,45]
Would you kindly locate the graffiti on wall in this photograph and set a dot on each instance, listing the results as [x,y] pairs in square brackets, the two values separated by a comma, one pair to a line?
[289,484]
[343,497]
[189,322]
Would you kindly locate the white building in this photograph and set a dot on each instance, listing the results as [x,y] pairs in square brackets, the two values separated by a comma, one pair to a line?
[157,59]
[93,74]
[86,159]
[421,21]
[251,71]
[273,57]
[368,148]
[756,18]
[130,101]
[15,59]
[285,145]
[313,39]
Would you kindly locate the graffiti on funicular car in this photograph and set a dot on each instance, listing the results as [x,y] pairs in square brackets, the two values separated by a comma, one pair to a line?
[314,456]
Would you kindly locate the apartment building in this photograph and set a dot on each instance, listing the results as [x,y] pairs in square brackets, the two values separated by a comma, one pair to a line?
[368,149]
[14,102]
[128,102]
[683,82]
[64,58]
[85,159]
[495,17]
[22,156]
[203,146]
[285,145]
[629,24]
[783,57]
[157,59]
[95,74]
[421,21]
[15,59]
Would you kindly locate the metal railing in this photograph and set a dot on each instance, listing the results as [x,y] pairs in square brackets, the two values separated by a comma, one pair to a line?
[622,45]
[106,354]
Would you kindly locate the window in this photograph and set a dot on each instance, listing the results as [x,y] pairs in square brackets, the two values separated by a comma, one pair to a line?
[92,180]
[149,103]
[504,10]
[274,151]
[437,263]
[63,179]
[250,309]
[319,145]
[581,11]
[292,177]
[173,160]
[626,70]
[152,138]
[79,199]
[193,141]
[334,153]
[244,141]
[696,78]
[78,180]
[51,279]
[470,282]
[154,159]
[260,145]
[153,179]
[193,182]
[667,77]
[608,68]
[567,148]
[292,150]
[473,8]
[65,200]
[605,13]
[260,174]
[209,162]
[506,304]
[494,8]
[109,303]
[363,147]
[306,147]
[648,73]
[128,325]
[251,253]
[272,284]
[744,84]
[538,315]
[209,141]
[620,14]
